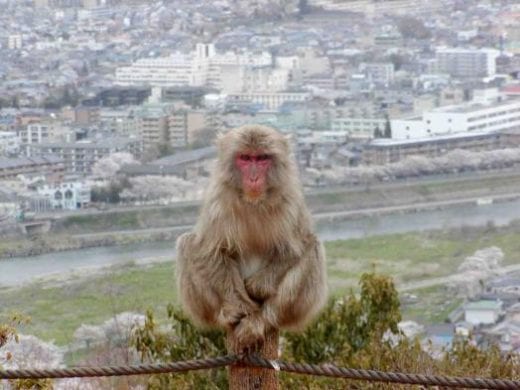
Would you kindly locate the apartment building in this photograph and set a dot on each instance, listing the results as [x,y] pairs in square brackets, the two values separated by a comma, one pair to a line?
[199,68]
[270,101]
[490,112]
[473,63]
[44,165]
[378,73]
[384,151]
[152,124]
[79,157]
[358,128]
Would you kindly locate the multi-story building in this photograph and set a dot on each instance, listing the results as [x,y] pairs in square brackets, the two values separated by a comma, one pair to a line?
[378,73]
[198,68]
[9,143]
[44,131]
[270,101]
[14,41]
[383,151]
[119,96]
[473,63]
[496,113]
[79,157]
[44,165]
[358,128]
[120,122]
[178,128]
[381,7]
[152,124]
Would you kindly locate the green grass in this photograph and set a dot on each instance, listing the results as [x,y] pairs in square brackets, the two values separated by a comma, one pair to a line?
[58,309]
[414,256]
[434,305]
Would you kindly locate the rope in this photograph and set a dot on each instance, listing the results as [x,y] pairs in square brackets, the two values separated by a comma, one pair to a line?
[329,370]
[84,372]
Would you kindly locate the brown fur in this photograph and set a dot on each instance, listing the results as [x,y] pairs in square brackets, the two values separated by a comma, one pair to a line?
[249,265]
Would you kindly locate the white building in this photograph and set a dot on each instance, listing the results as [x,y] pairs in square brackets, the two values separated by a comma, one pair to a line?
[460,62]
[203,66]
[484,113]
[360,128]
[378,73]
[9,143]
[14,41]
[482,312]
[270,101]
[70,195]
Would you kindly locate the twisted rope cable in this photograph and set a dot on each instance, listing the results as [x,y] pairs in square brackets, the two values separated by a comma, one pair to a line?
[331,370]
[83,372]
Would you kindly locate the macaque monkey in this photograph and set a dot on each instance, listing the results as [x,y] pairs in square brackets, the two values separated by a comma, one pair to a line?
[252,261]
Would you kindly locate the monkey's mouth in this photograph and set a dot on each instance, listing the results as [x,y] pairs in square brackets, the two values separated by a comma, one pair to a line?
[253,196]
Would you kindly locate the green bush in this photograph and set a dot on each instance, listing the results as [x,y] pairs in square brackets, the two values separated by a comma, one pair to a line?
[353,331]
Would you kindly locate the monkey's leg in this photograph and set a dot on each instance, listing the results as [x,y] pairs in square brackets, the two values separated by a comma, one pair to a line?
[302,291]
[210,287]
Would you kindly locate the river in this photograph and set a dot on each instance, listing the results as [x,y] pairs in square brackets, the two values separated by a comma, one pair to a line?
[19,270]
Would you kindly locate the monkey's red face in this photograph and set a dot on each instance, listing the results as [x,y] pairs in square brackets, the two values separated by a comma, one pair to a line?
[254,167]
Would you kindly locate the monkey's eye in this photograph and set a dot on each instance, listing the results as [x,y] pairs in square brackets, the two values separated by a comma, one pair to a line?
[263,157]
[245,157]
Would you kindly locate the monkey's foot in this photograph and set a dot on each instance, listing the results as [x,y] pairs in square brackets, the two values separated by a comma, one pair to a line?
[249,335]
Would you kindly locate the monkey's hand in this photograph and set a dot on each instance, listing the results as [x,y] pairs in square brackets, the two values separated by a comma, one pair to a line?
[232,313]
[249,335]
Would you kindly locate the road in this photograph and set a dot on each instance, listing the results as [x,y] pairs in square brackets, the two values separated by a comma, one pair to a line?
[327,216]
[455,178]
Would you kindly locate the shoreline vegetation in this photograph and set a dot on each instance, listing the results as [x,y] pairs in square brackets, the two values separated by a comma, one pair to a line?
[163,223]
[59,305]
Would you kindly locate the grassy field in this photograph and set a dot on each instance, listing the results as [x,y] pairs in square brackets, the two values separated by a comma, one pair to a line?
[57,308]
[415,256]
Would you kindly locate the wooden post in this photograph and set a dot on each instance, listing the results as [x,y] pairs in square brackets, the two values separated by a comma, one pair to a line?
[248,378]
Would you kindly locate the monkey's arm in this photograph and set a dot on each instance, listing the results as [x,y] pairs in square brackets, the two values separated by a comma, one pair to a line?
[302,291]
[210,287]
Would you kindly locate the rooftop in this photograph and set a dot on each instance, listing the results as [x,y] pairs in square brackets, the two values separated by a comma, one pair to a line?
[382,142]
[484,305]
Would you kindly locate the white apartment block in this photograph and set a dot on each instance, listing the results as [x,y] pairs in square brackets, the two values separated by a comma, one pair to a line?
[482,116]
[358,128]
[79,157]
[270,101]
[378,73]
[14,41]
[460,62]
[9,143]
[35,133]
[200,67]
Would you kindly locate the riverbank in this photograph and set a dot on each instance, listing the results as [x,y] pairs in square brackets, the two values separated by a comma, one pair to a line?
[59,305]
[124,226]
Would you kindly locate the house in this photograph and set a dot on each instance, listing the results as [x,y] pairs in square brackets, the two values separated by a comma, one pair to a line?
[483,312]
[66,195]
